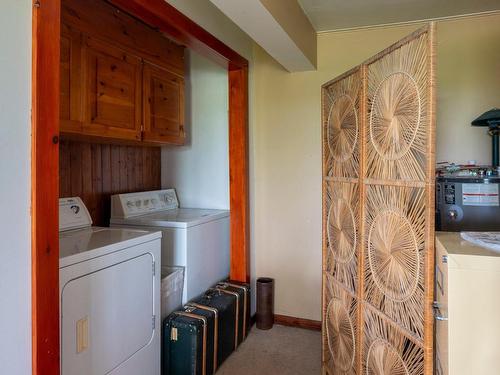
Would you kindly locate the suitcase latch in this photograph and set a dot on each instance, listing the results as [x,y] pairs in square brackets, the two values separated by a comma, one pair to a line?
[173,334]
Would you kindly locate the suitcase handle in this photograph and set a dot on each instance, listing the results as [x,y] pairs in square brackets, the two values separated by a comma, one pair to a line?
[210,293]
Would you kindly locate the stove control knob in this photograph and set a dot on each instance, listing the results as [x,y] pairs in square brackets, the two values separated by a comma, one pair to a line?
[452,214]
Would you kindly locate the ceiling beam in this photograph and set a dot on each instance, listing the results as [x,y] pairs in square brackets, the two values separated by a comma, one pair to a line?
[278,26]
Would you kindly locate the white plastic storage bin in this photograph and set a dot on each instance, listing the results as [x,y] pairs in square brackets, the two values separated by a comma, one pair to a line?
[172,283]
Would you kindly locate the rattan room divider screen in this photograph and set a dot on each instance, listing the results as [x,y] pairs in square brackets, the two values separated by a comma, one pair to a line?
[378,212]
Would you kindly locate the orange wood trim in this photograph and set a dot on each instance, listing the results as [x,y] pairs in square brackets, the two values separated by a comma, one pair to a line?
[238,175]
[168,19]
[44,190]
[291,321]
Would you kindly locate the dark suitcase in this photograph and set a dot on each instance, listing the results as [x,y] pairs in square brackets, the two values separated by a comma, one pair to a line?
[243,291]
[227,320]
[212,315]
[185,341]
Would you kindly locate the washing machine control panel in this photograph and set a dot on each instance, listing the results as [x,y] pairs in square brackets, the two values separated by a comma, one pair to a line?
[134,204]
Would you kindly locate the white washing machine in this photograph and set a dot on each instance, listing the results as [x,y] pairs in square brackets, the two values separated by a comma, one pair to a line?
[193,238]
[109,296]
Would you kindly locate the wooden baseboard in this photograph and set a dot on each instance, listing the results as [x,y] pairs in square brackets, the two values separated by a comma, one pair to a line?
[291,321]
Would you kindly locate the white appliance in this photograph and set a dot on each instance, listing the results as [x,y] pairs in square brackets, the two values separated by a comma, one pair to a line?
[109,283]
[196,239]
[467,307]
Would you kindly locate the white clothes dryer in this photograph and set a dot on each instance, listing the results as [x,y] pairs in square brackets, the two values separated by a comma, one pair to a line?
[109,283]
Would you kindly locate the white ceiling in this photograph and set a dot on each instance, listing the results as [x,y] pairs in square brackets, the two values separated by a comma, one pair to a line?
[342,14]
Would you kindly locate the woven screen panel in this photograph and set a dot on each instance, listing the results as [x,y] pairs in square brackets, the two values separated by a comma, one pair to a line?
[342,232]
[341,125]
[378,128]
[387,350]
[340,328]
[398,113]
[395,254]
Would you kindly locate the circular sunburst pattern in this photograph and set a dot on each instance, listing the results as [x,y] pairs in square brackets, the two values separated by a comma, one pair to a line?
[395,115]
[340,335]
[341,230]
[383,359]
[342,129]
[393,255]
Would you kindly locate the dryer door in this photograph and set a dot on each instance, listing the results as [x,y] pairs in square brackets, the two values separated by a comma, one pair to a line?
[107,316]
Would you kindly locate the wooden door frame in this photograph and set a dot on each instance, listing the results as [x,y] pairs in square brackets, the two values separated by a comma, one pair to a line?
[45,156]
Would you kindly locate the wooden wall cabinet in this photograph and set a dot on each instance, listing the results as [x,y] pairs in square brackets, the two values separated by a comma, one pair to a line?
[163,106]
[113,91]
[120,80]
[70,108]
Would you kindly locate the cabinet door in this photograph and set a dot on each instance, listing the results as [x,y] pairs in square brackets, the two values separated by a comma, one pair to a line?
[113,80]
[163,106]
[70,108]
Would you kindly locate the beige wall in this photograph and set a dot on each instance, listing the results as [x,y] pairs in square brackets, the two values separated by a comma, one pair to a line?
[286,147]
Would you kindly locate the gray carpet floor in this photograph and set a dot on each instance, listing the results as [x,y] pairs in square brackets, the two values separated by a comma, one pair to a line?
[279,351]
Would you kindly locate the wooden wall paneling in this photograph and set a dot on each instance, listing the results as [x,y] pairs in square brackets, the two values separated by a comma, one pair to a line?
[75,172]
[86,175]
[156,169]
[44,187]
[97,188]
[64,170]
[107,175]
[147,166]
[122,171]
[95,171]
[139,186]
